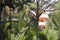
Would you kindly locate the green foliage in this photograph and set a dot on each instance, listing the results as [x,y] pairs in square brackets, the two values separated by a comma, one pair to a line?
[56,22]
[20,35]
[23,30]
[52,34]
[57,6]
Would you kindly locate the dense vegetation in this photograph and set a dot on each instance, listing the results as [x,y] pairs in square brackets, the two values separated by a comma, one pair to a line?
[22,29]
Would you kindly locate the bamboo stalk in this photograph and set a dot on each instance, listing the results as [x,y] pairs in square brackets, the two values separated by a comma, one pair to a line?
[10,20]
[37,13]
